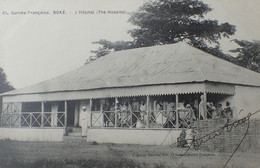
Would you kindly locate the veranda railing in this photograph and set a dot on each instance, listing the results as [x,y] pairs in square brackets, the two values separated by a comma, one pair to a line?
[33,119]
[154,119]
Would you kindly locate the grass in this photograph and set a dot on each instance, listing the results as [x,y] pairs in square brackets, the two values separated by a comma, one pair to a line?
[14,154]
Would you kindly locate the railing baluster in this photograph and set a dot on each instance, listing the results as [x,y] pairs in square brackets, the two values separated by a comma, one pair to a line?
[10,120]
[30,120]
[20,119]
[1,120]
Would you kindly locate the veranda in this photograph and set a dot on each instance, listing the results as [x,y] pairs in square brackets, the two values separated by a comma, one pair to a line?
[172,111]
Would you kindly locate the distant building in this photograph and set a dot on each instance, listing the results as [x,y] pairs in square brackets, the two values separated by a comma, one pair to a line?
[134,96]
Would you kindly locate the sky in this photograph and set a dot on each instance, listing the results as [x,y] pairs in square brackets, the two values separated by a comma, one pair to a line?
[34,47]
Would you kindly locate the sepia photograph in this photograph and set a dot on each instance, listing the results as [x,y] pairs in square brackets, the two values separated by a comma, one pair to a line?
[129,84]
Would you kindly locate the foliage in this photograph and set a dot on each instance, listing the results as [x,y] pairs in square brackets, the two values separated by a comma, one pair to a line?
[248,54]
[108,46]
[4,84]
[166,21]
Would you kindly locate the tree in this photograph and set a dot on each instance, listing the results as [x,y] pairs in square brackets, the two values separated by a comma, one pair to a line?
[166,21]
[4,84]
[108,46]
[248,54]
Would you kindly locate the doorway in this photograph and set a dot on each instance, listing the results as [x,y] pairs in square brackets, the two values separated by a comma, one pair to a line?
[73,113]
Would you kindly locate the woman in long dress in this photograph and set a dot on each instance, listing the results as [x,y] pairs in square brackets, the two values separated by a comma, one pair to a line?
[141,122]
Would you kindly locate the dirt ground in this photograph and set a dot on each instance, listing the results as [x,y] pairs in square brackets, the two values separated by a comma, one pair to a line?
[15,154]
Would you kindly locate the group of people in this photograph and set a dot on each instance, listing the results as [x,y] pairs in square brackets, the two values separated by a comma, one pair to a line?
[132,114]
[160,113]
[128,114]
[209,110]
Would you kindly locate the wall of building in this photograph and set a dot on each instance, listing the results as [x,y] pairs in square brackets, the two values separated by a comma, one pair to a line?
[229,140]
[247,99]
[137,136]
[32,134]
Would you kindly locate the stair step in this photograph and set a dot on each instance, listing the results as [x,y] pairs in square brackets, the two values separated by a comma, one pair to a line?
[76,130]
[73,139]
[75,134]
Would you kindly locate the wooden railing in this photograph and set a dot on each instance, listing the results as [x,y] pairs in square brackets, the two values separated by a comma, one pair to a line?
[33,119]
[128,119]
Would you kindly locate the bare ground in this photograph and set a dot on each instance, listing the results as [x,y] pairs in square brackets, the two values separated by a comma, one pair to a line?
[15,154]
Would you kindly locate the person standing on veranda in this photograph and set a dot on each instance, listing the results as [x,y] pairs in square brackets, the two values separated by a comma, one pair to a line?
[84,121]
[202,108]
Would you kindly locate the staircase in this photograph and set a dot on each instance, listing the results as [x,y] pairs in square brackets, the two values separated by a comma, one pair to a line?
[74,131]
[74,136]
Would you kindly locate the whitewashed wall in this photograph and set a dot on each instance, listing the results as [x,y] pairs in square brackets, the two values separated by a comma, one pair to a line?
[32,134]
[246,98]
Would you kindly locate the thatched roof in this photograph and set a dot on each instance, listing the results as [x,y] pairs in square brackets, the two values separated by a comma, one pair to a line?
[165,64]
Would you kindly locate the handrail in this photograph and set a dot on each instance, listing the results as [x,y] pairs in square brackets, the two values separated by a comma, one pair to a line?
[138,119]
[33,119]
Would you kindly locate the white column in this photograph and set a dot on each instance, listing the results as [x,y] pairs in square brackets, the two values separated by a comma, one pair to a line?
[115,112]
[101,111]
[205,104]
[177,111]
[147,111]
[90,118]
[66,117]
[42,113]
